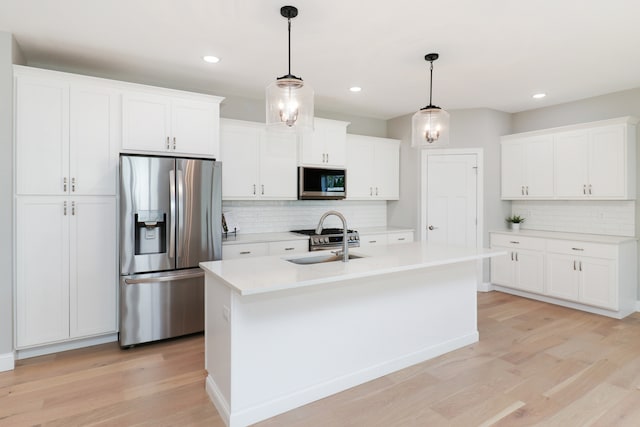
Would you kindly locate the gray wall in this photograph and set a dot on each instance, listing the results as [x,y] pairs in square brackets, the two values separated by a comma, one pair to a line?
[473,128]
[254,110]
[9,54]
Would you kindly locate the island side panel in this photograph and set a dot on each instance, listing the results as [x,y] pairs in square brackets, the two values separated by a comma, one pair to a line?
[293,347]
[218,343]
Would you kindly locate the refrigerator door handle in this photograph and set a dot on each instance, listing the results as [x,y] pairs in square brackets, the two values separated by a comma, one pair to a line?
[172,228]
[164,278]
[181,213]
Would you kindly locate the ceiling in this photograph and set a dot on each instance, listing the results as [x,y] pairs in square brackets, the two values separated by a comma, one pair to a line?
[493,53]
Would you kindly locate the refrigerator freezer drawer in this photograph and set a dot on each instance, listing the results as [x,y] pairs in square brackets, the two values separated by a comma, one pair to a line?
[156,306]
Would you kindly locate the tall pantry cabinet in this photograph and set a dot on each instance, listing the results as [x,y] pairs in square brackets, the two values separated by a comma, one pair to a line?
[66,153]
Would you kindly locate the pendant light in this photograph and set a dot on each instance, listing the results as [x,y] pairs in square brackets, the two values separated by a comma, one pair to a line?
[289,99]
[430,125]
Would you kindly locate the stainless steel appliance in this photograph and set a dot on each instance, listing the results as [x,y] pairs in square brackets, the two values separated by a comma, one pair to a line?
[330,238]
[321,183]
[170,220]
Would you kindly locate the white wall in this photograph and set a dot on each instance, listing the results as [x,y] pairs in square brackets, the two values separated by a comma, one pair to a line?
[472,128]
[9,53]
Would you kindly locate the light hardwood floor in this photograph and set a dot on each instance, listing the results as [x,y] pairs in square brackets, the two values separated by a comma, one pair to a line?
[535,364]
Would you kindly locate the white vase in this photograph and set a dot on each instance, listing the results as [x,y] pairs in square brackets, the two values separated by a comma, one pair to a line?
[515,226]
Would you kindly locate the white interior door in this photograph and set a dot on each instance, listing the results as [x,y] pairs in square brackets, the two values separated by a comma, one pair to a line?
[452,196]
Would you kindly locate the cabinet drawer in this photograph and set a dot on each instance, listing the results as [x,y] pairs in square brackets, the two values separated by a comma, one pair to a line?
[516,241]
[403,237]
[245,250]
[589,249]
[288,247]
[373,240]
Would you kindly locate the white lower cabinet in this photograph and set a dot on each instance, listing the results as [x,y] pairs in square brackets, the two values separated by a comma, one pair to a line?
[522,266]
[66,268]
[583,274]
[248,250]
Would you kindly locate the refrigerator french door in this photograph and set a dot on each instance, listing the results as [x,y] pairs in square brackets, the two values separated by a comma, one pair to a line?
[170,221]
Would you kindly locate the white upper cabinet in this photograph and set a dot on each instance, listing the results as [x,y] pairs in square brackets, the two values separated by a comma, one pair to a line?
[259,164]
[373,168]
[593,163]
[527,168]
[588,161]
[66,135]
[160,121]
[325,146]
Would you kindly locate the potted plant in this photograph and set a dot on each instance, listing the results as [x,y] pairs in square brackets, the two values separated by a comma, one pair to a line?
[515,221]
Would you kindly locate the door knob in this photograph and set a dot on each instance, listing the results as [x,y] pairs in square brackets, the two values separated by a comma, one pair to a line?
[431,227]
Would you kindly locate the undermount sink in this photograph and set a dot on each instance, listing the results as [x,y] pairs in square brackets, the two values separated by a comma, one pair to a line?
[320,259]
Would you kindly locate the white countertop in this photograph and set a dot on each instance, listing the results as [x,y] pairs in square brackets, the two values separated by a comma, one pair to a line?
[382,230]
[595,238]
[262,238]
[285,235]
[273,273]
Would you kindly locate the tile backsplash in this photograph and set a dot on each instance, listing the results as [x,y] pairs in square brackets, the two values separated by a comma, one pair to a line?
[593,217]
[276,216]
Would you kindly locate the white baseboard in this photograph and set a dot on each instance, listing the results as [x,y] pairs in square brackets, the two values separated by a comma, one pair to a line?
[7,362]
[485,287]
[26,353]
[637,305]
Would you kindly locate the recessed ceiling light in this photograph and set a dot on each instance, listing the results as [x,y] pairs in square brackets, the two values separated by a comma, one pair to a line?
[211,59]
[539,95]
[355,89]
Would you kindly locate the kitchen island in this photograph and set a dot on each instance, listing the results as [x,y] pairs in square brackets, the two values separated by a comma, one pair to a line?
[279,335]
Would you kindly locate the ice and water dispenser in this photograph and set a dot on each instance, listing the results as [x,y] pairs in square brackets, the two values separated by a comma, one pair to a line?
[150,232]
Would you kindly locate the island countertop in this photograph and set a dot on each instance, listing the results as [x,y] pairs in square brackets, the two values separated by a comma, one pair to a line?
[274,273]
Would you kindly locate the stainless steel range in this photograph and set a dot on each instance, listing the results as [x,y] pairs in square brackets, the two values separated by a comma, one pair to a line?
[331,238]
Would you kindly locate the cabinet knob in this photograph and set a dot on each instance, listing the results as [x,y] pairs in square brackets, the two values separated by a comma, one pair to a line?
[73,185]
[168,144]
[174,142]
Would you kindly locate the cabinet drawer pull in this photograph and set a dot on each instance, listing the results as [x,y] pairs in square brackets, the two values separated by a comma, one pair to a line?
[515,242]
[516,256]
[402,238]
[73,185]
[254,189]
[262,192]
[64,184]
[580,265]
[574,265]
[245,252]
[522,190]
[174,142]
[511,256]
[168,144]
[373,241]
[589,189]
[527,190]
[65,208]
[376,191]
[584,189]
[577,249]
[73,208]
[371,191]
[289,249]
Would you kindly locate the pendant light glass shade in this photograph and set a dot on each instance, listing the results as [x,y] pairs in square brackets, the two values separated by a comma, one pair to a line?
[290,103]
[289,100]
[430,125]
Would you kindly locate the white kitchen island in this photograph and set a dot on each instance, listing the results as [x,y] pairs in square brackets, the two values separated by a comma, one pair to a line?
[279,335]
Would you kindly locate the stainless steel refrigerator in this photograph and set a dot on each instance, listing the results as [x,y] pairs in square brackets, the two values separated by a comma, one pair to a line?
[170,220]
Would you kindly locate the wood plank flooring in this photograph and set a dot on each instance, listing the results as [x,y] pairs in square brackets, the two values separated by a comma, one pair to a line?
[535,364]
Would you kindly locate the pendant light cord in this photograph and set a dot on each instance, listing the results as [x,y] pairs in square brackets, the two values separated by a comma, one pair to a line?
[430,83]
[289,27]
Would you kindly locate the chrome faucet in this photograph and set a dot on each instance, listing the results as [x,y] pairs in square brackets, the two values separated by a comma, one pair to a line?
[345,237]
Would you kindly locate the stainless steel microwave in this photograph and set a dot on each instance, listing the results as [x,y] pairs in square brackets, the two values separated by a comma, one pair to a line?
[321,183]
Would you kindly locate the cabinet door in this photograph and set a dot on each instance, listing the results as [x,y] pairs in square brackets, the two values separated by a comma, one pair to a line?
[278,166]
[145,122]
[563,280]
[239,147]
[194,127]
[502,268]
[598,282]
[538,156]
[386,171]
[607,165]
[42,136]
[335,143]
[312,150]
[93,153]
[513,168]
[93,267]
[529,272]
[42,270]
[571,154]
[360,168]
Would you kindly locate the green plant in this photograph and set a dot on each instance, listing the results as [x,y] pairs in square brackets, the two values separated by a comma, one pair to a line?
[516,219]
